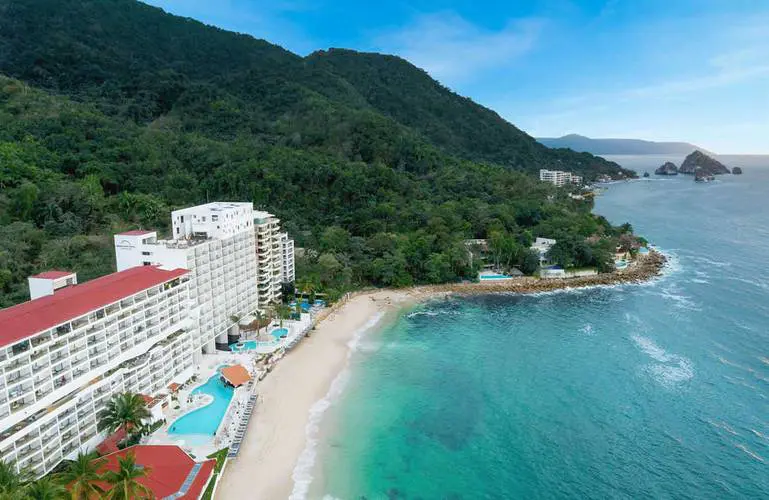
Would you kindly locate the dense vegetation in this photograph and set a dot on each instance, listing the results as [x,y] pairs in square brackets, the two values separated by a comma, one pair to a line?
[117,113]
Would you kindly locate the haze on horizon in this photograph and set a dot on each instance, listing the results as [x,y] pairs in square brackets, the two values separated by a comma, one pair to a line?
[693,70]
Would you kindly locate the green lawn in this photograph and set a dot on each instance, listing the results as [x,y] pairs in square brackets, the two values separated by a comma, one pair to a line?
[221,457]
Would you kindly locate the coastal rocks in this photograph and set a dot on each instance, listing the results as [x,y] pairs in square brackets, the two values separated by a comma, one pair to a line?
[737,171]
[700,175]
[667,168]
[699,160]
[647,267]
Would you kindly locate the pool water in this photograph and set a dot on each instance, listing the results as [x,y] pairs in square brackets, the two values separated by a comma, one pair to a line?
[205,420]
[279,332]
[495,277]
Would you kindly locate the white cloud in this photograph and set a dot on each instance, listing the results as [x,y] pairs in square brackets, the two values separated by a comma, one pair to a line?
[452,49]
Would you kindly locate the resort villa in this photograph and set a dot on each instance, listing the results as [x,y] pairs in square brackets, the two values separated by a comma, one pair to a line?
[542,247]
[147,328]
[559,178]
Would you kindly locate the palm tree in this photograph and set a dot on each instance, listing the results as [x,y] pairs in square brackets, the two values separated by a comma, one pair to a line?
[124,481]
[82,475]
[258,322]
[46,488]
[126,410]
[283,311]
[298,308]
[12,482]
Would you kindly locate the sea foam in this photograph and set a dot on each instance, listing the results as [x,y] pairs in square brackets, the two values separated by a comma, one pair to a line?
[302,474]
[669,369]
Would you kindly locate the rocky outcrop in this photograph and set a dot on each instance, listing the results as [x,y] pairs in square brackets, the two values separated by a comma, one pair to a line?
[699,160]
[668,168]
[737,171]
[701,175]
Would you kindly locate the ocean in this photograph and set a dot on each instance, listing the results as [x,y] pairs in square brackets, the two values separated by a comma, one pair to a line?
[656,390]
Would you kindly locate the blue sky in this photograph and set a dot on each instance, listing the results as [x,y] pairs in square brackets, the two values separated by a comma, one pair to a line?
[691,70]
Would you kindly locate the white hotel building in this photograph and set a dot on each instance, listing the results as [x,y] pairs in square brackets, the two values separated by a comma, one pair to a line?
[558,177]
[275,255]
[216,242]
[64,353]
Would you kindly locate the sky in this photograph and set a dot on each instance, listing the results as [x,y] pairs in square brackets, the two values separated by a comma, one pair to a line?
[667,70]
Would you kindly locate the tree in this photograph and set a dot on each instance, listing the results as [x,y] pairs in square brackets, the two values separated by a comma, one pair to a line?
[335,239]
[330,268]
[46,488]
[124,484]
[82,476]
[283,311]
[126,410]
[258,321]
[530,262]
[12,481]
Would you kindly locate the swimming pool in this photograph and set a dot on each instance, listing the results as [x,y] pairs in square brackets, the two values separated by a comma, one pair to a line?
[279,332]
[205,421]
[495,277]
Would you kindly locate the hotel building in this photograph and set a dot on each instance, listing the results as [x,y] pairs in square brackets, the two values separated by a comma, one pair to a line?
[64,353]
[143,329]
[558,177]
[275,256]
[216,244]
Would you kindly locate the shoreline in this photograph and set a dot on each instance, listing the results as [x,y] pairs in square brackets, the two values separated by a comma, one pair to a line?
[279,445]
[293,397]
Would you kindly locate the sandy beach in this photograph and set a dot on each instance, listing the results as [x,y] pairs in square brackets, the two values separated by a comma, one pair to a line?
[276,434]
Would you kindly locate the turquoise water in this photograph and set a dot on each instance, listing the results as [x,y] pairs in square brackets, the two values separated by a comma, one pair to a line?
[279,332]
[494,277]
[205,420]
[651,391]
[250,345]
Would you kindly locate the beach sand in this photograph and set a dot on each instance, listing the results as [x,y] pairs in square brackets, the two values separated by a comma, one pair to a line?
[276,434]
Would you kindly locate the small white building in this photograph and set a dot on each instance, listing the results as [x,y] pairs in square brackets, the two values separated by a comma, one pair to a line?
[542,246]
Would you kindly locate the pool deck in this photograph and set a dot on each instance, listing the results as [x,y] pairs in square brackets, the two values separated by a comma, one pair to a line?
[258,362]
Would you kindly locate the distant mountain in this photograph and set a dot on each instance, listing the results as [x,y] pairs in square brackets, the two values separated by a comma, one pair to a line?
[581,143]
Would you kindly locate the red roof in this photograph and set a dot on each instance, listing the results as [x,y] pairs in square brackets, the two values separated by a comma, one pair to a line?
[109,445]
[170,468]
[52,275]
[134,232]
[21,321]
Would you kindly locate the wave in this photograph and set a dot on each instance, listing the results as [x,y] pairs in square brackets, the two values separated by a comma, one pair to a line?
[587,329]
[302,473]
[431,313]
[673,294]
[669,370]
[710,262]
[751,453]
[763,285]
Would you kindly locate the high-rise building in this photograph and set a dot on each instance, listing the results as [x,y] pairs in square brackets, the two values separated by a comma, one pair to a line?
[216,243]
[289,274]
[143,329]
[64,353]
[558,177]
[275,258]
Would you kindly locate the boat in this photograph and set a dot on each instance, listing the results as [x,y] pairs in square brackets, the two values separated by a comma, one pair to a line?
[646,174]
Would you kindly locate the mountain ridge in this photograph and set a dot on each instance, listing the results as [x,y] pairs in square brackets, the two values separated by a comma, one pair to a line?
[619,146]
[138,61]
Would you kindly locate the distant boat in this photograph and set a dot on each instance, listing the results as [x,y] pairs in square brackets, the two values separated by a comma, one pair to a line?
[646,174]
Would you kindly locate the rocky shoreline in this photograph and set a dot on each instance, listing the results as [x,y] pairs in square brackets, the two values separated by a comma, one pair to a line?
[644,269]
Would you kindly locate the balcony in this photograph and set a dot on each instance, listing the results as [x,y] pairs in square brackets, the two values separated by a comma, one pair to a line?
[20,405]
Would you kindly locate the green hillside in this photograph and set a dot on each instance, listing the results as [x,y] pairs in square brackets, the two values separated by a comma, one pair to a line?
[116,113]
